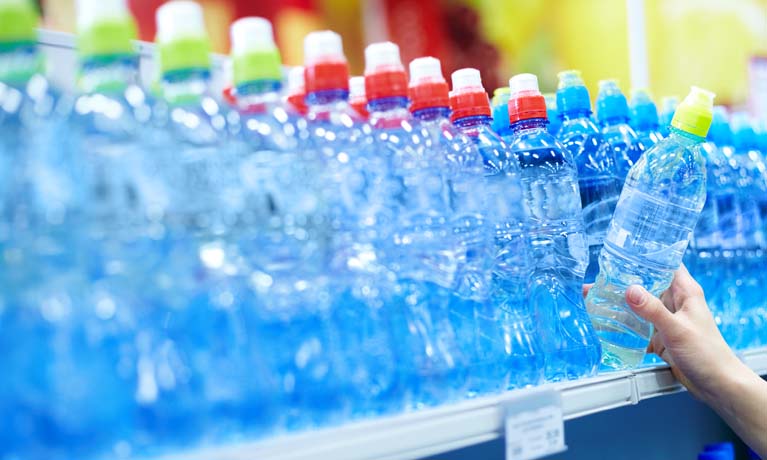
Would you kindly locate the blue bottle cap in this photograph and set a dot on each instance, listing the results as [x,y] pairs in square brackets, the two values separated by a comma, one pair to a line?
[644,114]
[572,94]
[611,103]
[720,132]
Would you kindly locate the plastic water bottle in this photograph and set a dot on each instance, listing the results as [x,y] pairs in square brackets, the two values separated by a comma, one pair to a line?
[552,113]
[193,359]
[556,234]
[357,98]
[613,115]
[711,248]
[753,199]
[38,208]
[668,184]
[296,90]
[668,107]
[475,319]
[357,192]
[735,211]
[422,249]
[281,232]
[597,181]
[500,106]
[509,320]
[644,118]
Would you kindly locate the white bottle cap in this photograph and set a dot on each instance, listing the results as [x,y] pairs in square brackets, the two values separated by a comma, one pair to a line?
[179,19]
[296,83]
[92,12]
[467,80]
[357,87]
[383,55]
[251,34]
[322,45]
[425,69]
[523,82]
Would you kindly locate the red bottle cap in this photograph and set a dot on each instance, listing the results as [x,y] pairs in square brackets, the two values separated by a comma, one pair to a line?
[326,67]
[428,87]
[468,97]
[526,101]
[384,74]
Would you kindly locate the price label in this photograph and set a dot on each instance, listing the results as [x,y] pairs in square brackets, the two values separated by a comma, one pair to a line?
[534,425]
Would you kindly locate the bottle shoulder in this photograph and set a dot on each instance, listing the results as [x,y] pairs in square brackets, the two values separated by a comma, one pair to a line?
[675,168]
[536,147]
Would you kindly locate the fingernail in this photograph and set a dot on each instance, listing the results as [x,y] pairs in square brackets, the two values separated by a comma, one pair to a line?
[635,294]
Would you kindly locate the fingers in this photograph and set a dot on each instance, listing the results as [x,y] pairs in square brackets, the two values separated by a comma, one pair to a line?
[586,289]
[684,286]
[649,307]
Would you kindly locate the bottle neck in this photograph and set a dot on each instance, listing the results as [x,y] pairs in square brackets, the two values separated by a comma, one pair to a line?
[432,113]
[615,120]
[388,104]
[531,123]
[685,137]
[258,88]
[575,114]
[105,74]
[476,120]
[328,96]
[19,63]
[185,86]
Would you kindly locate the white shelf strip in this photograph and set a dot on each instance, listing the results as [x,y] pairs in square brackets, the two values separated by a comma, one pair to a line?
[434,431]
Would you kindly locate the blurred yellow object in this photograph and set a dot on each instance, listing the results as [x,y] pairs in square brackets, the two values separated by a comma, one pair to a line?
[706,43]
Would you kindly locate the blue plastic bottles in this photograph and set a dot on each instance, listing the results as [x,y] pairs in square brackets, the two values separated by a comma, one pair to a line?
[653,222]
[504,331]
[38,208]
[599,188]
[361,210]
[421,250]
[644,118]
[556,234]
[613,115]
[753,193]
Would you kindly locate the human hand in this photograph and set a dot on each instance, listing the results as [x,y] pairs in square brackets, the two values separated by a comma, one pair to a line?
[686,335]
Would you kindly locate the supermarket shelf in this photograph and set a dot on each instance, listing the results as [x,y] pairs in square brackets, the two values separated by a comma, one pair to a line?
[434,431]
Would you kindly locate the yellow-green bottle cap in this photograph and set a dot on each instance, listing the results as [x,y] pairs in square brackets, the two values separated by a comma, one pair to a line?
[181,38]
[18,21]
[694,114]
[254,53]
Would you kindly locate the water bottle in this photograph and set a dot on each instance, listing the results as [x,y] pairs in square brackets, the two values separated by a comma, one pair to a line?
[710,255]
[358,194]
[613,115]
[38,210]
[296,90]
[500,107]
[552,113]
[597,173]
[509,319]
[557,239]
[357,98]
[193,359]
[753,193]
[280,231]
[644,118]
[422,249]
[668,107]
[475,318]
[653,222]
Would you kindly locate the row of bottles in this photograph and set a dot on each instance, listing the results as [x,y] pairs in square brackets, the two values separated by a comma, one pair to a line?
[177,270]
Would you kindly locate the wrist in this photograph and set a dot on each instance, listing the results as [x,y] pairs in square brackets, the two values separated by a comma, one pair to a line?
[730,380]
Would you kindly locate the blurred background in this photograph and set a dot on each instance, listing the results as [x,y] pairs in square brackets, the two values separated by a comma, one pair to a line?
[718,44]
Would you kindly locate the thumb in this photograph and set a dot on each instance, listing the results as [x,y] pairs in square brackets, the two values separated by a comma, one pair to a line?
[649,307]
